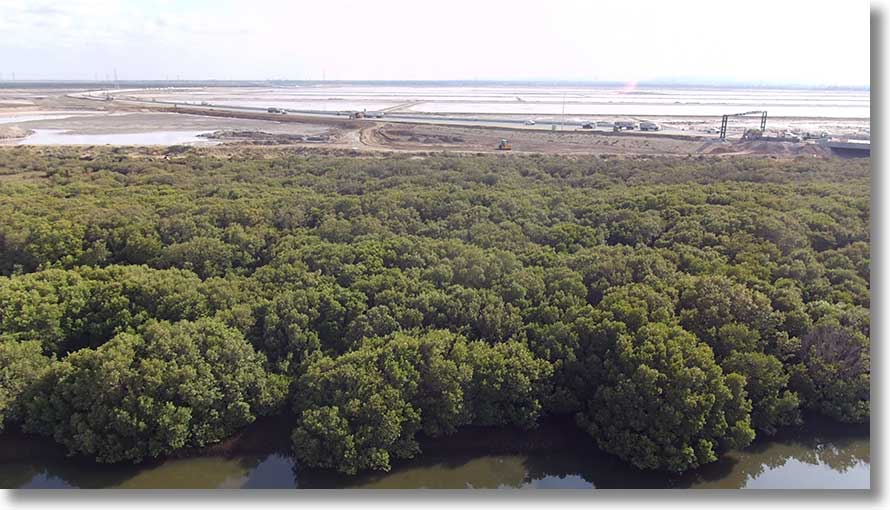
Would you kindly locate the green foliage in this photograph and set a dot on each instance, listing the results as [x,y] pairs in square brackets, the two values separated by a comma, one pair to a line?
[665,404]
[22,365]
[834,375]
[146,394]
[767,385]
[508,384]
[726,315]
[361,410]
[405,295]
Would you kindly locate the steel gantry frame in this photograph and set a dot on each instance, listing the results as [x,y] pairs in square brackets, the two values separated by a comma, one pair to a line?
[725,121]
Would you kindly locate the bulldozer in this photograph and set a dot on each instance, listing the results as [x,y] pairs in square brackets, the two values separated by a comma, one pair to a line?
[504,145]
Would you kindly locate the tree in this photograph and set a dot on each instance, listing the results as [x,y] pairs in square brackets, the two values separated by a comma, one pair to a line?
[665,404]
[507,288]
[355,410]
[146,394]
[22,365]
[362,410]
[508,384]
[834,374]
[767,384]
[708,304]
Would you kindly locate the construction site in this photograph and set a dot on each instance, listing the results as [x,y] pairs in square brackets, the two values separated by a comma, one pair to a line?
[526,120]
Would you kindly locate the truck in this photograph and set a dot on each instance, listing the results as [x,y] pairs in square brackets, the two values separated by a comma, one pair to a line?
[624,124]
[649,126]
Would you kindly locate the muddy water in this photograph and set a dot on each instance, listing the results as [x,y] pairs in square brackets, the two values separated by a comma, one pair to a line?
[820,455]
[62,137]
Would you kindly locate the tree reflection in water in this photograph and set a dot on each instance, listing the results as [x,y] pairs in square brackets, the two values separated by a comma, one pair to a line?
[837,450]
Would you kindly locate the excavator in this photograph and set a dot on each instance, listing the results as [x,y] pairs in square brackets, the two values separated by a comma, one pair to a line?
[504,145]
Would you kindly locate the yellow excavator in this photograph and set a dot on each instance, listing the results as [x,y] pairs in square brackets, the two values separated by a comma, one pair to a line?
[504,145]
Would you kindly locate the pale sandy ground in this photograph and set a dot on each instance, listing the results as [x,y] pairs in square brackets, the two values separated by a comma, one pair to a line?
[415,100]
[24,111]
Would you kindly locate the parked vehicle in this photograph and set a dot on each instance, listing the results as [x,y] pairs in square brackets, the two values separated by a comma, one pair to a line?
[625,124]
[649,126]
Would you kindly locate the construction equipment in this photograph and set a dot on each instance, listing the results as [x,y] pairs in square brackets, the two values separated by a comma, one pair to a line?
[725,121]
[752,134]
[504,145]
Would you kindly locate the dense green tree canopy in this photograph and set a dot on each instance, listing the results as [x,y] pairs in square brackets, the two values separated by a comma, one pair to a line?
[362,409]
[152,300]
[664,403]
[169,386]
[767,384]
[22,365]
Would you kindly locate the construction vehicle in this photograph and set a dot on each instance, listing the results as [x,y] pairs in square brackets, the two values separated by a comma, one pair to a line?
[752,134]
[504,145]
[365,114]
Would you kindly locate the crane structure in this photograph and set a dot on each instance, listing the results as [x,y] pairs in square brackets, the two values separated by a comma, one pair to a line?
[725,121]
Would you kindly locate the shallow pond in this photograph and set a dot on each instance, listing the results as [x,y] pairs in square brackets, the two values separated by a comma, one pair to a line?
[62,137]
[819,455]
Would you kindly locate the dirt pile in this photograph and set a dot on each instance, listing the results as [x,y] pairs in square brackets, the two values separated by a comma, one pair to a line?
[263,138]
[761,147]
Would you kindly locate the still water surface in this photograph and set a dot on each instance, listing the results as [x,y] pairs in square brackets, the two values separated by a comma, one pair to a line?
[820,455]
[62,137]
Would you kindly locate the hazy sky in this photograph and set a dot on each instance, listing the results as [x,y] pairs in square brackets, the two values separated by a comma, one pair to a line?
[759,41]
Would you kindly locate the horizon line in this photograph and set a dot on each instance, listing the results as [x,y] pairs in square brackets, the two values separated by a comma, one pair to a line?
[639,83]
